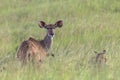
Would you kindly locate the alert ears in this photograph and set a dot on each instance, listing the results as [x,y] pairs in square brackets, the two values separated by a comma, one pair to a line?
[42,24]
[59,23]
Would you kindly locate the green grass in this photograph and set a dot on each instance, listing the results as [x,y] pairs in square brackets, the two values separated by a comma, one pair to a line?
[89,25]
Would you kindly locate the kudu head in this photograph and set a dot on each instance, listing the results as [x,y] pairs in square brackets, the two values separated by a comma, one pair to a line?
[50,27]
[104,51]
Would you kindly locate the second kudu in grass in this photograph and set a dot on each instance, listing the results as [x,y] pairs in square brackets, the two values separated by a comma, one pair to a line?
[36,50]
[100,57]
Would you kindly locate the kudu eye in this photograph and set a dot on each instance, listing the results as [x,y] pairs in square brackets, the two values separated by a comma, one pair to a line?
[47,28]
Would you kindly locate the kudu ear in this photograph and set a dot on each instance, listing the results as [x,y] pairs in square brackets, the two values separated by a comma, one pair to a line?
[95,52]
[42,24]
[59,23]
[104,51]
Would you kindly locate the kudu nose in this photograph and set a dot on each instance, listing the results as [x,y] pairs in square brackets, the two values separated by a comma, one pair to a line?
[52,34]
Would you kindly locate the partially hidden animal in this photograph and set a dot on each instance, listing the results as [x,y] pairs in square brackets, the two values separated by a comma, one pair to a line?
[100,57]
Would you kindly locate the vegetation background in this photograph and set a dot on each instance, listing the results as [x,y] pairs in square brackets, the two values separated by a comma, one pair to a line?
[89,25]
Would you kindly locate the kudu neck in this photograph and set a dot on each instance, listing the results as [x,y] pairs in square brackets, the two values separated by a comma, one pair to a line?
[48,41]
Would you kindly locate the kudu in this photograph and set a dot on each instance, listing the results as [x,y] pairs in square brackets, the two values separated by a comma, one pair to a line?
[100,58]
[35,50]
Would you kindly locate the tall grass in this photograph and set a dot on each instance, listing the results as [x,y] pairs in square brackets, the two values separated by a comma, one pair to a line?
[88,26]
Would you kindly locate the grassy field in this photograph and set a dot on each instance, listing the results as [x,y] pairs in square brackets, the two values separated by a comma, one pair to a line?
[89,25]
